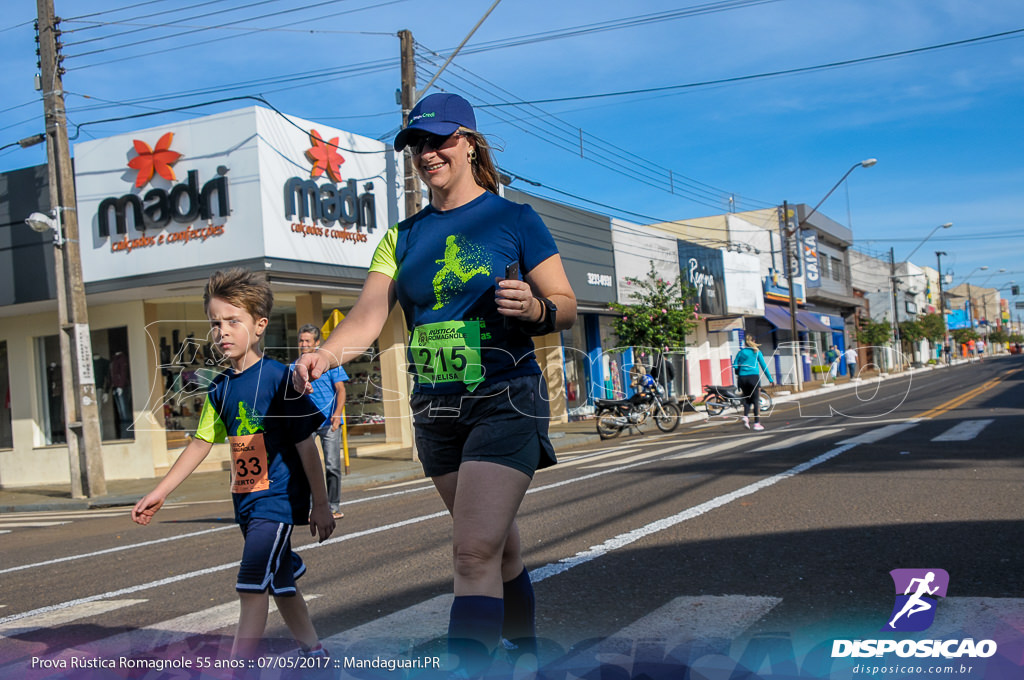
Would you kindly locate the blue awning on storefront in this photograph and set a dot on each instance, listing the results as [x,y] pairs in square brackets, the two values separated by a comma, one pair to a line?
[780,317]
[812,321]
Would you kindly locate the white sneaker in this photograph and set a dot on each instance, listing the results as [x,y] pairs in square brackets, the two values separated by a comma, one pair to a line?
[758,427]
[746,422]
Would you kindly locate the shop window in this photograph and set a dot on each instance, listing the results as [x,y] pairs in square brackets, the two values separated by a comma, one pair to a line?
[113,383]
[6,434]
[576,377]
[364,394]
[51,394]
[837,269]
[113,386]
[823,260]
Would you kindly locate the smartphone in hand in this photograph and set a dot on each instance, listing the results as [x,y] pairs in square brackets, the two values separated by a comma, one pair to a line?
[511,272]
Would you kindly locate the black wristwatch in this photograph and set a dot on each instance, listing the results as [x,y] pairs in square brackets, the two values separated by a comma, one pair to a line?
[547,320]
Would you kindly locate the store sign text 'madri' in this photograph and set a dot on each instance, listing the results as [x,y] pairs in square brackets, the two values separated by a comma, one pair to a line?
[184,203]
[327,203]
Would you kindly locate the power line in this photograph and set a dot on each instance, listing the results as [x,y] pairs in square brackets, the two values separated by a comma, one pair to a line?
[769,74]
[101,24]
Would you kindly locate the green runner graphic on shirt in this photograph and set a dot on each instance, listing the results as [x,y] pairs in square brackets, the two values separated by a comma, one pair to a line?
[448,351]
[462,261]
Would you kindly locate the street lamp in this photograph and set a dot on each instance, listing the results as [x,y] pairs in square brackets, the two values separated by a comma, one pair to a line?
[792,252]
[947,225]
[43,223]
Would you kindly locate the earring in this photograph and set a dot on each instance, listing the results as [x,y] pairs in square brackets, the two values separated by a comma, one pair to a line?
[472,154]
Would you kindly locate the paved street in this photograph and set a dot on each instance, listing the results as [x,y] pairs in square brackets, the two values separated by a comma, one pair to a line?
[706,545]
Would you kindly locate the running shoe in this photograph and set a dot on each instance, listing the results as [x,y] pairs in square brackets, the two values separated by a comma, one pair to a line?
[758,427]
[746,422]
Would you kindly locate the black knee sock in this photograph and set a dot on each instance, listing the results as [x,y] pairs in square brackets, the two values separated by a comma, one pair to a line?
[474,629]
[520,608]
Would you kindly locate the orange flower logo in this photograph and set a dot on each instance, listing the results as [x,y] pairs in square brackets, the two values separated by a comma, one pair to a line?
[324,156]
[154,161]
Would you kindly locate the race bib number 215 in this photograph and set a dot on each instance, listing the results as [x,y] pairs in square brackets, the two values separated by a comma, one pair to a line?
[447,352]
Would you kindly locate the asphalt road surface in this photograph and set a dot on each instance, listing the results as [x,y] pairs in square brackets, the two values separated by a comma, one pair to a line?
[724,545]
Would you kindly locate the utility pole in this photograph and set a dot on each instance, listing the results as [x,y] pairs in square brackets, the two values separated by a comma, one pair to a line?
[942,300]
[413,197]
[81,415]
[790,263]
[895,308]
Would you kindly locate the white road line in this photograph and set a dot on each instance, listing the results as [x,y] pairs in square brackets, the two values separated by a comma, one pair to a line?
[30,525]
[872,436]
[799,439]
[119,548]
[622,540]
[632,459]
[965,431]
[47,619]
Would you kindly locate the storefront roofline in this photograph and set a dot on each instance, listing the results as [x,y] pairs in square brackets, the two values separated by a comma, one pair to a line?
[310,275]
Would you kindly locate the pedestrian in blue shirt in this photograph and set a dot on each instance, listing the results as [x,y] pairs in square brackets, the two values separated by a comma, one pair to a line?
[479,403]
[748,365]
[275,467]
[329,396]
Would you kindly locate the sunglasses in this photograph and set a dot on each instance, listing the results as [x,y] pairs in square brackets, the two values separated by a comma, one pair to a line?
[420,143]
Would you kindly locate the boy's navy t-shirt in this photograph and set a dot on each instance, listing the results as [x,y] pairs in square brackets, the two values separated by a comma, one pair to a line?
[263,417]
[444,264]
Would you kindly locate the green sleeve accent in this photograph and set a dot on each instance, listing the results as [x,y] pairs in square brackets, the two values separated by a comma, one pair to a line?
[211,429]
[384,257]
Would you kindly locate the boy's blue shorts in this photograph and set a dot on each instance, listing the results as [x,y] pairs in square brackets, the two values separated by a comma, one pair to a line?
[267,559]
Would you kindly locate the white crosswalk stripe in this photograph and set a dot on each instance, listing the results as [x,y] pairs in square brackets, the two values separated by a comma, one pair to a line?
[799,439]
[964,431]
[53,618]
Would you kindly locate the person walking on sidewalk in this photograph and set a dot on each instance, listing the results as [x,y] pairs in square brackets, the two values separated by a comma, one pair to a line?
[832,357]
[275,466]
[479,402]
[851,361]
[748,365]
[329,396]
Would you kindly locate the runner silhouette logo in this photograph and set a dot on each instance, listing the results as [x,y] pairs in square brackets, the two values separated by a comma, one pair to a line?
[917,593]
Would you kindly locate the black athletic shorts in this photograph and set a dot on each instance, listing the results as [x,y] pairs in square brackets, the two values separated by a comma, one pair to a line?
[504,423]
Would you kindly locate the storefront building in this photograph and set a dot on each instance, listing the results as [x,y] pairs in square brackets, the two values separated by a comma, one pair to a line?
[576,363]
[159,210]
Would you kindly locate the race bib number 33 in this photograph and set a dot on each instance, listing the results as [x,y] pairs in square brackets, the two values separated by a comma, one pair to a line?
[249,464]
[447,352]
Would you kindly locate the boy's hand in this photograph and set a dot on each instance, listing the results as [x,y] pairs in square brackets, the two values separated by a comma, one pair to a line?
[308,368]
[321,521]
[146,508]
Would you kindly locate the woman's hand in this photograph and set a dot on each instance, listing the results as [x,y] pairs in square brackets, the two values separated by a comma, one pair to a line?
[515,300]
[308,368]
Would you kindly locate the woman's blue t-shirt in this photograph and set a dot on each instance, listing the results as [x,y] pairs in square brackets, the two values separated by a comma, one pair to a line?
[445,265]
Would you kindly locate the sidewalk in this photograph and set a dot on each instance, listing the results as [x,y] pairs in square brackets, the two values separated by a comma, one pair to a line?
[364,471]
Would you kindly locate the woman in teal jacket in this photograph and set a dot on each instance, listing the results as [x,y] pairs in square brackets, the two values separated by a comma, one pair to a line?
[748,365]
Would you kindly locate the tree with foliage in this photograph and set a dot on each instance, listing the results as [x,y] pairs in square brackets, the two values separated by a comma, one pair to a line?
[933,327]
[661,316]
[962,335]
[874,334]
[999,336]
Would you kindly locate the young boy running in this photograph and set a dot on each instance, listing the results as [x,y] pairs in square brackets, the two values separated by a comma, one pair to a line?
[275,465]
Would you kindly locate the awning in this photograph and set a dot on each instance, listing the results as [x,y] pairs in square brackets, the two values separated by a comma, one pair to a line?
[779,317]
[812,321]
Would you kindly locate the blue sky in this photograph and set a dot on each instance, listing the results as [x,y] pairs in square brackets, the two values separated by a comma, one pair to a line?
[944,124]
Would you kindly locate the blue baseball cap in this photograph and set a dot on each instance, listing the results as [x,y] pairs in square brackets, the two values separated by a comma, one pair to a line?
[437,114]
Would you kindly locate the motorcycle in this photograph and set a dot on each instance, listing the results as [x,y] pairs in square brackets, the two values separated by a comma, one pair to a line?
[615,415]
[719,397]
